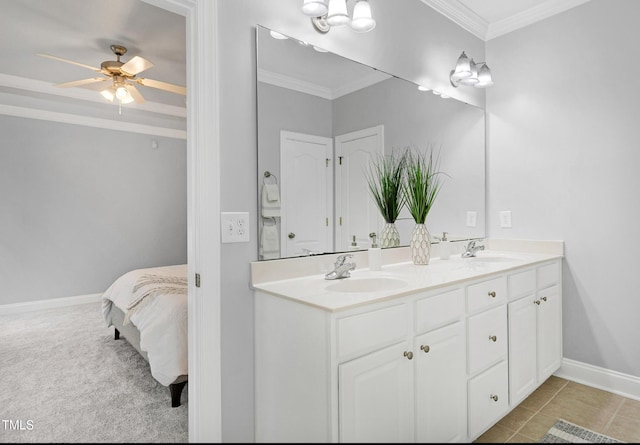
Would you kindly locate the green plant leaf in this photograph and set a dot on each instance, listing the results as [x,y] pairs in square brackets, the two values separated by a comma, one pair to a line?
[385,179]
[422,183]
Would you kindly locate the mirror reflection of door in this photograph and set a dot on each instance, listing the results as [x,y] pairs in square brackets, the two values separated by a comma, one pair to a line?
[356,212]
[307,194]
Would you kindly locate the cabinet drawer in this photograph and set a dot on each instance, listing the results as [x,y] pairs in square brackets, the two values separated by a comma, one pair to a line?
[548,275]
[486,294]
[370,330]
[521,284]
[487,338]
[440,309]
[488,398]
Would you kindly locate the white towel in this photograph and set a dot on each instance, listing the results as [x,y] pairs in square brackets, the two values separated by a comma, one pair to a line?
[270,200]
[269,242]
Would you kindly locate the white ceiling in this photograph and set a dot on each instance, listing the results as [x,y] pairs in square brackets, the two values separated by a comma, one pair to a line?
[83,31]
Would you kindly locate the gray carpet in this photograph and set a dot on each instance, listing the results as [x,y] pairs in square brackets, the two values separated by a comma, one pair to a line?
[63,378]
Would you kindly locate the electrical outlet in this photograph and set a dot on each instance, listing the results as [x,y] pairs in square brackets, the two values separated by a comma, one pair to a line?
[234,227]
[472,218]
[505,219]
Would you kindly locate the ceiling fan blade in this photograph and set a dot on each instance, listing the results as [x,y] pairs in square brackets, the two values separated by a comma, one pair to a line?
[136,65]
[137,97]
[97,70]
[76,83]
[163,86]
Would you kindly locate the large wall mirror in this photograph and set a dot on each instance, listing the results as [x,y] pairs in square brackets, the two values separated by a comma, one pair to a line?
[321,119]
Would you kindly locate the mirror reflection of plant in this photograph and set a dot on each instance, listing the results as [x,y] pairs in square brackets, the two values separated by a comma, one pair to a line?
[385,179]
[422,184]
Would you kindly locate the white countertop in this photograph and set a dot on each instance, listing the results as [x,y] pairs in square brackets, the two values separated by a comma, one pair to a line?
[399,279]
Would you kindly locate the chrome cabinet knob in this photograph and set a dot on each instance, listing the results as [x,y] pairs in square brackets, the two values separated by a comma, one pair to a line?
[494,397]
[425,348]
[408,354]
[493,338]
[292,235]
[544,298]
[492,294]
[537,302]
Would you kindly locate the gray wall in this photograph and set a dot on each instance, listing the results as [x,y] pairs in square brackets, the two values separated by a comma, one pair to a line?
[79,206]
[564,158]
[401,44]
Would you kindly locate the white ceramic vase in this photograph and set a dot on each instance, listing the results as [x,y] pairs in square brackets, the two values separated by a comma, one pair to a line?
[420,244]
[389,237]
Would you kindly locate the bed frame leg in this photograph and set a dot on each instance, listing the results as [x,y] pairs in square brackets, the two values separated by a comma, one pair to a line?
[116,335]
[176,392]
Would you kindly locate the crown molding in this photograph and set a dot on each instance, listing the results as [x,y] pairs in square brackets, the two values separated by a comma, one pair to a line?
[461,15]
[301,86]
[38,86]
[532,15]
[472,22]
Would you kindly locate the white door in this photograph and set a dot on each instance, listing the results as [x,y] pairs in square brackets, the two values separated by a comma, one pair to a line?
[306,194]
[356,212]
[376,397]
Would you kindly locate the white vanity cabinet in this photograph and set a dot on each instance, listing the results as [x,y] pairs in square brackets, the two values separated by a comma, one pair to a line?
[437,364]
[535,328]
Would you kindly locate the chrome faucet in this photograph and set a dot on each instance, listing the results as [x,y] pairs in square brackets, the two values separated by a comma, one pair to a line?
[341,269]
[471,249]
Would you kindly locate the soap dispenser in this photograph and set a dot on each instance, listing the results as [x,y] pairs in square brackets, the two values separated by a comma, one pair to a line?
[375,254]
[445,248]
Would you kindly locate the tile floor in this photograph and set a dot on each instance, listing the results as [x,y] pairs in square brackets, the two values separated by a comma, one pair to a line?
[591,408]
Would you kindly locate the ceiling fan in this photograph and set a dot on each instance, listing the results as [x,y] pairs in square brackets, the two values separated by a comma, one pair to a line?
[122,76]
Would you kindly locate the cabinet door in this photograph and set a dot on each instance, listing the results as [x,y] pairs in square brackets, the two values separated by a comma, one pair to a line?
[440,385]
[376,396]
[522,348]
[549,332]
[488,398]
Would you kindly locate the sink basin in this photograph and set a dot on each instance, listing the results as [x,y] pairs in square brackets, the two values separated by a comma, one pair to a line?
[366,284]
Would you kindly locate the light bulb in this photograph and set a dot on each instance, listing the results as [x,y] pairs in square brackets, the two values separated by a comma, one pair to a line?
[473,78]
[277,35]
[314,8]
[108,94]
[337,14]
[362,20]
[422,88]
[122,93]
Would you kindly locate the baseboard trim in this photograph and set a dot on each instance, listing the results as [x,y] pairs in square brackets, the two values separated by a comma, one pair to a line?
[15,308]
[616,382]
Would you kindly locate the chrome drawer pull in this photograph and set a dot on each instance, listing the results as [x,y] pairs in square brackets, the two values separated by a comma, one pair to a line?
[492,294]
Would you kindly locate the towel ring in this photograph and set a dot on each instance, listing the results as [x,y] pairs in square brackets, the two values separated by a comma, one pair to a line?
[268,174]
[267,218]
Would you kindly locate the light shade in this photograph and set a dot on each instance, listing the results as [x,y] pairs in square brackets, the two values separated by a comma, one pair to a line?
[362,20]
[337,14]
[484,77]
[463,67]
[315,8]
[473,78]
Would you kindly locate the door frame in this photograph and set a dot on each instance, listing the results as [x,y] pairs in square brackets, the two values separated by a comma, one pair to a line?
[203,222]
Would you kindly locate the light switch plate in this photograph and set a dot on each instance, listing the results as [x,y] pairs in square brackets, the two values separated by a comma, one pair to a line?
[472,218]
[234,227]
[505,219]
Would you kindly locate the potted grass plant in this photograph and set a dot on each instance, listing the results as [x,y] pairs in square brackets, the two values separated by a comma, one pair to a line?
[421,186]
[385,178]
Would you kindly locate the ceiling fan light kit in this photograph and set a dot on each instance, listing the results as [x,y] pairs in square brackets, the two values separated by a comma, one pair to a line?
[122,76]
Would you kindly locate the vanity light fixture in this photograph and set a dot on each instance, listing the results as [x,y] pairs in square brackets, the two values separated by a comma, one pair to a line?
[469,73]
[327,13]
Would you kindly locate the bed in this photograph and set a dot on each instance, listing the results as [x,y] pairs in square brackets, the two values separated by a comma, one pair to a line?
[148,307]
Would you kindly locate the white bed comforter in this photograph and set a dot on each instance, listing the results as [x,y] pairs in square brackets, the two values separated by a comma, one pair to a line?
[162,321]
